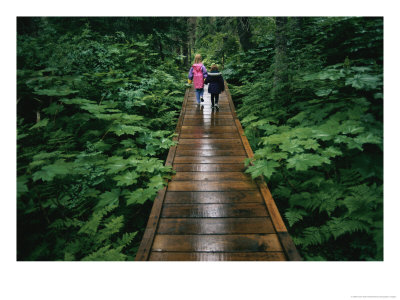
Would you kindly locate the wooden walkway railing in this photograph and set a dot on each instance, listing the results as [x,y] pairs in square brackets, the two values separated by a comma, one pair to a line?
[211,209]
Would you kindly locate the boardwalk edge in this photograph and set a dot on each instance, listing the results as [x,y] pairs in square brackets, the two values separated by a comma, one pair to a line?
[276,218]
[152,224]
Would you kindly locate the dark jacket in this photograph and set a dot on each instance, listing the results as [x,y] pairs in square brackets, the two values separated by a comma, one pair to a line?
[215,82]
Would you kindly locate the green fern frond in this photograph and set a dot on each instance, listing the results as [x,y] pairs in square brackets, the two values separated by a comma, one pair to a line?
[363,197]
[312,236]
[294,215]
[113,226]
[350,177]
[106,254]
[65,223]
[91,226]
[338,226]
[126,239]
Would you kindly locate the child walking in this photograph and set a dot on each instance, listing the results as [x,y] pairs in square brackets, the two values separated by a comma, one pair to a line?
[198,73]
[216,85]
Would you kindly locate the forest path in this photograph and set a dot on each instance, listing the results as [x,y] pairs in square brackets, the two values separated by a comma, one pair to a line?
[211,209]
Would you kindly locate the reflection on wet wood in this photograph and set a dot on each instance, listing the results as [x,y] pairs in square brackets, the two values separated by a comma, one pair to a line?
[200,135]
[243,210]
[209,160]
[208,129]
[208,122]
[211,176]
[217,256]
[215,226]
[211,186]
[209,141]
[208,167]
[211,243]
[208,116]
[233,152]
[209,146]
[213,197]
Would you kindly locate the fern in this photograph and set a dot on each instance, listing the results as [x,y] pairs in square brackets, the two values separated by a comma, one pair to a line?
[311,236]
[105,254]
[326,136]
[340,226]
[91,226]
[294,215]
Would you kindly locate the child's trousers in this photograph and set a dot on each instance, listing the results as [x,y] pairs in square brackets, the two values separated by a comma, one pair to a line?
[199,93]
[214,99]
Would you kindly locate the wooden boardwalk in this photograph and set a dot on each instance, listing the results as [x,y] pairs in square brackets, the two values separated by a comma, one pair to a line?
[211,209]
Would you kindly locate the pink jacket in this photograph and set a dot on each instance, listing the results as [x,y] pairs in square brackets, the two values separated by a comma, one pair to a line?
[197,73]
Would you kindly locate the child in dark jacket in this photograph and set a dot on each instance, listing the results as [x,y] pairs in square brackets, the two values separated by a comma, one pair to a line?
[215,85]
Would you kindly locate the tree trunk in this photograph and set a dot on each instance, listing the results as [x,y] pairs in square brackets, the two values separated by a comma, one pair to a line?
[160,49]
[192,26]
[185,52]
[244,32]
[280,61]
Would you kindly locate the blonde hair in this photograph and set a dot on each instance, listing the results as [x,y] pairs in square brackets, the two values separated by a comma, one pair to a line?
[197,58]
[214,67]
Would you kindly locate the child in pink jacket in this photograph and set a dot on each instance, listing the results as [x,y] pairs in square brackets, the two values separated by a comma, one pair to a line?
[198,73]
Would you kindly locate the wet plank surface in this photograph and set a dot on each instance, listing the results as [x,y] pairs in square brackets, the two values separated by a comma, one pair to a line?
[211,152]
[208,129]
[211,176]
[215,256]
[211,186]
[209,146]
[209,160]
[217,243]
[213,197]
[211,209]
[210,135]
[209,167]
[215,226]
[214,210]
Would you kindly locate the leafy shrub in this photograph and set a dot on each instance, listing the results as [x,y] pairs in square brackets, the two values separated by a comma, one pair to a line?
[318,139]
[96,116]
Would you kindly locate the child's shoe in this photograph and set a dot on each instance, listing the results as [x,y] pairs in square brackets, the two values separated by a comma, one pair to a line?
[201,99]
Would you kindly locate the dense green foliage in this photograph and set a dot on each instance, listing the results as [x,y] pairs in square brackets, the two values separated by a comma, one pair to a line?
[310,98]
[98,100]
[96,114]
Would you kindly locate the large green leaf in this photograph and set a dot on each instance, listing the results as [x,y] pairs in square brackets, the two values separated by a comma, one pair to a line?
[140,196]
[58,91]
[127,178]
[304,161]
[115,164]
[292,146]
[262,167]
[41,123]
[110,198]
[364,81]
[21,185]
[121,129]
[47,173]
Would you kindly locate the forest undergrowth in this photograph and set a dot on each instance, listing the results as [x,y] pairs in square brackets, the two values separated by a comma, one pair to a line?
[310,96]
[96,116]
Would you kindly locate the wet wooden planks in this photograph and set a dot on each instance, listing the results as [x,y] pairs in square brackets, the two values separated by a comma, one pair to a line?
[217,256]
[211,209]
